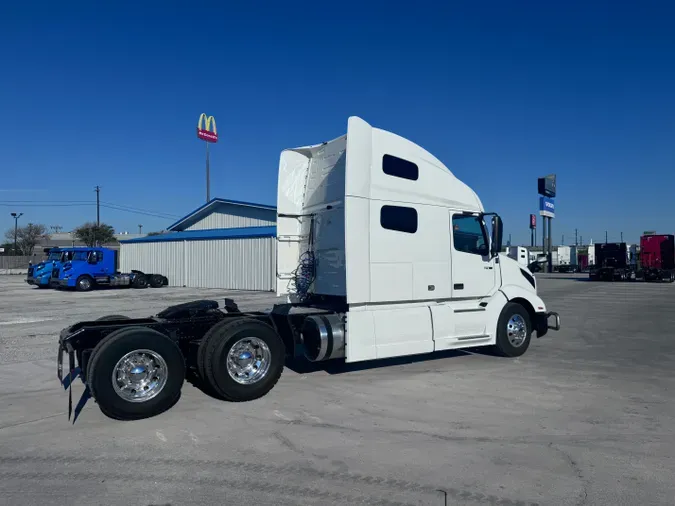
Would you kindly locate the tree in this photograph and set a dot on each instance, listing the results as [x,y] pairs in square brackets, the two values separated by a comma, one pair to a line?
[155,233]
[27,237]
[91,233]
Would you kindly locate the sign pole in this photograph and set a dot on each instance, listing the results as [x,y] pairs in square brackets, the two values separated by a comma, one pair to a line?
[208,174]
[550,246]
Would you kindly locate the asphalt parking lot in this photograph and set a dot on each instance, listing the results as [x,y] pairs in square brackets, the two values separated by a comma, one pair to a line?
[586,416]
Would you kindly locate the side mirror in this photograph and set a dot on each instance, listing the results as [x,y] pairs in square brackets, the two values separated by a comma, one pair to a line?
[497,233]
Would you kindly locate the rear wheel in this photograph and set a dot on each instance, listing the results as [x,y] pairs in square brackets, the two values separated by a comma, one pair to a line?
[241,360]
[156,281]
[135,373]
[514,331]
[140,281]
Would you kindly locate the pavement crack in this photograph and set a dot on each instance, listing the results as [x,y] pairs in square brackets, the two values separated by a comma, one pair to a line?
[583,498]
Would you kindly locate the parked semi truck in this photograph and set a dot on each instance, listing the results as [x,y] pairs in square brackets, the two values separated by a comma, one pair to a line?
[381,252]
[40,274]
[568,260]
[90,268]
[618,261]
[657,257]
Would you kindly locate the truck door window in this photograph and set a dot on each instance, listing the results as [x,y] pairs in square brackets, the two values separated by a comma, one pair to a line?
[80,256]
[468,235]
[401,219]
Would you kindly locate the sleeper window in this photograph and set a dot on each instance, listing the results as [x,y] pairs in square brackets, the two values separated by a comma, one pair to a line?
[398,167]
[401,219]
[468,235]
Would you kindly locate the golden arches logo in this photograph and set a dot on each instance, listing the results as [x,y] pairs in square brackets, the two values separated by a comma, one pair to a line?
[207,134]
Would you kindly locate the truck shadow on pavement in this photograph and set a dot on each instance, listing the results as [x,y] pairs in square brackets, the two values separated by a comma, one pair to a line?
[336,367]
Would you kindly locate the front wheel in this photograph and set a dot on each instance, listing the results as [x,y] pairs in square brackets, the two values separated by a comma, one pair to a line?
[84,284]
[514,331]
[135,373]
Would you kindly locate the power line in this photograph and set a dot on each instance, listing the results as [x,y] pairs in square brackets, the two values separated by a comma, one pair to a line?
[45,201]
[79,203]
[140,209]
[48,205]
[145,213]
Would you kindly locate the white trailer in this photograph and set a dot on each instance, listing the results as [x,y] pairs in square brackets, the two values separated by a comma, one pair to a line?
[567,259]
[591,254]
[382,252]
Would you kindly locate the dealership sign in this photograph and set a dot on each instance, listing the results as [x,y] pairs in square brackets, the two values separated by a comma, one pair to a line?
[204,131]
[547,207]
[533,221]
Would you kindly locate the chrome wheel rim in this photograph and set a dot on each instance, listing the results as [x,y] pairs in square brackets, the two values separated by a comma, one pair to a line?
[249,360]
[85,283]
[516,330]
[139,376]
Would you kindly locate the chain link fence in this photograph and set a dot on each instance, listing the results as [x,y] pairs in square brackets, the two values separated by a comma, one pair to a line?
[17,262]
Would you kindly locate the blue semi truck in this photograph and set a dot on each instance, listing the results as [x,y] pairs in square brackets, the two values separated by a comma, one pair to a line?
[91,268]
[40,274]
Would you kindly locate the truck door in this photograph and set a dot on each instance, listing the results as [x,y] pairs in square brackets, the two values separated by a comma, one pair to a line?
[474,273]
[97,266]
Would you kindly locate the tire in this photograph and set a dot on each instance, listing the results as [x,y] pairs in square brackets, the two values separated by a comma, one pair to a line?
[156,281]
[218,343]
[104,360]
[112,317]
[140,281]
[84,284]
[513,314]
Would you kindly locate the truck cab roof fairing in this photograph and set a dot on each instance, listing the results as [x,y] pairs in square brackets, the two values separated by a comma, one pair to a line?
[328,185]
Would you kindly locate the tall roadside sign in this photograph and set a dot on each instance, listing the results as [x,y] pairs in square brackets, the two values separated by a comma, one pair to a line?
[546,187]
[208,135]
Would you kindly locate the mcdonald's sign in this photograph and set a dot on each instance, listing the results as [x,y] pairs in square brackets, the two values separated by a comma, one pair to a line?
[204,131]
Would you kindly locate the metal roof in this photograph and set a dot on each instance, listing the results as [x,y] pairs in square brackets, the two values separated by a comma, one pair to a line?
[214,202]
[200,235]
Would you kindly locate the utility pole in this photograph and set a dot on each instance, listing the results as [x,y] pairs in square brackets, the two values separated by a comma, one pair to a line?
[16,217]
[98,205]
[576,239]
[563,240]
[581,240]
[605,236]
[621,236]
[140,229]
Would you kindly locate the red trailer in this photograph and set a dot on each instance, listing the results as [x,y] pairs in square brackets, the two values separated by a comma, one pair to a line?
[583,262]
[657,257]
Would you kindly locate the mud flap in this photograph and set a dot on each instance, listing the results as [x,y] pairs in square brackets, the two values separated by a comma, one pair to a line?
[67,381]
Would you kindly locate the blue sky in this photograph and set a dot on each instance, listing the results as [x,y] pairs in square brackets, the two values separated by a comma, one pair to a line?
[501,92]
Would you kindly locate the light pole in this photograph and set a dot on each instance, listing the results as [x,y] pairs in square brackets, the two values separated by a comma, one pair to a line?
[140,229]
[16,217]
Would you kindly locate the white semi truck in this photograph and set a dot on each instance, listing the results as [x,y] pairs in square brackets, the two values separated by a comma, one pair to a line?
[382,252]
